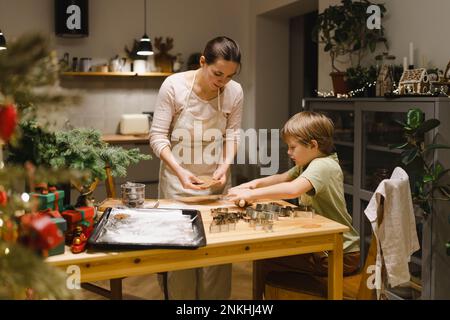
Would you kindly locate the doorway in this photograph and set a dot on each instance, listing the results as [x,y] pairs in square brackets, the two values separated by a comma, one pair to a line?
[303,60]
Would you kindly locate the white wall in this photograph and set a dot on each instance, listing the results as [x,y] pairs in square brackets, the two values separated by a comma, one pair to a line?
[270,53]
[114,24]
[425,23]
[272,72]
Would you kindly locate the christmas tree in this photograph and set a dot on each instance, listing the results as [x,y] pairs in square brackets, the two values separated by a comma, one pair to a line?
[29,80]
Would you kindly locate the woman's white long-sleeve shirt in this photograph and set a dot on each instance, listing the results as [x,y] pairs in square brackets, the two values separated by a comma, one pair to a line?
[172,98]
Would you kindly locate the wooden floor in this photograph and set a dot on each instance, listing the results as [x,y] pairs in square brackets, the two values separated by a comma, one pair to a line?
[147,288]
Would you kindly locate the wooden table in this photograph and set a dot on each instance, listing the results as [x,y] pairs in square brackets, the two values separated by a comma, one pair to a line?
[290,236]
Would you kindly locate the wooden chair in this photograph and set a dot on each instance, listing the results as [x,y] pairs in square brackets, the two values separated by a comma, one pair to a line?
[298,286]
[109,183]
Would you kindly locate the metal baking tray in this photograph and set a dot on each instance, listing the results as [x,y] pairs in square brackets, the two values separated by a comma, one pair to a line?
[126,228]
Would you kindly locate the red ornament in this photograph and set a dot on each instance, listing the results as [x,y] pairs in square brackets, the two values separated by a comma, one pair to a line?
[8,121]
[79,241]
[3,198]
[41,232]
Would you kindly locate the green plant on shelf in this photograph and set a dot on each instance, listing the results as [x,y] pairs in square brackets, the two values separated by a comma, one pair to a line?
[343,30]
[426,174]
[361,79]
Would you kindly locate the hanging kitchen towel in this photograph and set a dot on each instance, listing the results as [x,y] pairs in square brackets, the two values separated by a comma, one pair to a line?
[396,234]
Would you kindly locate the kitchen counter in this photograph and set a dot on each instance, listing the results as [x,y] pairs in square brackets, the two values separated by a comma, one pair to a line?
[124,139]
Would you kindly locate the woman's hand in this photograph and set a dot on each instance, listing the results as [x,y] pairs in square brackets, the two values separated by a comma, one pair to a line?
[189,180]
[221,175]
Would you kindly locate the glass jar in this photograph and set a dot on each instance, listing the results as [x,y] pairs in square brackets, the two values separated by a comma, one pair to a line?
[133,194]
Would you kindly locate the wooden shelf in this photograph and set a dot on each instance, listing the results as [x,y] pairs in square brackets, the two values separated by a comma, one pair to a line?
[115,74]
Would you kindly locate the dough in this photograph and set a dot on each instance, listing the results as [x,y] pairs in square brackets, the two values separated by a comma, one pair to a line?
[208,182]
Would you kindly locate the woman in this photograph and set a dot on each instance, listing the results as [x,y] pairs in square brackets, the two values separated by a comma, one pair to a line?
[190,104]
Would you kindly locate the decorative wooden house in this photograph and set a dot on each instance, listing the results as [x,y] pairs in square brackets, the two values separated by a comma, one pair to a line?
[384,81]
[414,81]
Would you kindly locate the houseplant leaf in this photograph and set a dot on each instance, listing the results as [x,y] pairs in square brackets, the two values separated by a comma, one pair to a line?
[428,178]
[409,155]
[435,146]
[445,190]
[414,118]
[398,146]
[428,125]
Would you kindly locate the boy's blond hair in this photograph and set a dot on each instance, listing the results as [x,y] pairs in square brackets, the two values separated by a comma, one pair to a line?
[306,126]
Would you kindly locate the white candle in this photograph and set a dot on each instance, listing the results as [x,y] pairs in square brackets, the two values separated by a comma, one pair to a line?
[411,54]
[405,63]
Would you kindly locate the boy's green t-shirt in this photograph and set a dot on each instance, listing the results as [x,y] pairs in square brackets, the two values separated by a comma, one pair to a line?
[327,197]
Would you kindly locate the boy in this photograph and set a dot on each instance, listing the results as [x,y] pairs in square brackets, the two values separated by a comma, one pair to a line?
[318,180]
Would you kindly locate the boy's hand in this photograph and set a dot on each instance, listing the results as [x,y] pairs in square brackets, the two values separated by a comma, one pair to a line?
[237,194]
[248,185]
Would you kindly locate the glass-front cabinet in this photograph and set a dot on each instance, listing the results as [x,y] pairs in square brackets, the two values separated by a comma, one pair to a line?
[380,130]
[364,130]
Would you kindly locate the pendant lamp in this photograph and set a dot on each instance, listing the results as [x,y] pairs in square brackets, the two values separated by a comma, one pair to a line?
[145,47]
[2,41]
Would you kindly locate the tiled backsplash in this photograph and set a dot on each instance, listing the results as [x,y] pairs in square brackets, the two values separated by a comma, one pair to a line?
[105,100]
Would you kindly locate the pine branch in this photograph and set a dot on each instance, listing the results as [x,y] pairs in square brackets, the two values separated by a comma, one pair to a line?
[22,269]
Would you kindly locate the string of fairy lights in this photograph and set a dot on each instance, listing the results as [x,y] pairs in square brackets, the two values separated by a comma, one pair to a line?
[395,92]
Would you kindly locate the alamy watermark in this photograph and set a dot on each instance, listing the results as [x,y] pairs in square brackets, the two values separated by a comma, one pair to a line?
[73,281]
[374,20]
[206,147]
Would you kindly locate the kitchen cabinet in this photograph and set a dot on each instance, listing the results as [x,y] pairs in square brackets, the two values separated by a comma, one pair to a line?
[364,128]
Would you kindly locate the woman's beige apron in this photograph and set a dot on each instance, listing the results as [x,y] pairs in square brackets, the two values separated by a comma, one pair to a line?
[201,283]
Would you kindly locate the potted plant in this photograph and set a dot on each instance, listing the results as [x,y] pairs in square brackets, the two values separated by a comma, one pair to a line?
[426,174]
[343,30]
[361,81]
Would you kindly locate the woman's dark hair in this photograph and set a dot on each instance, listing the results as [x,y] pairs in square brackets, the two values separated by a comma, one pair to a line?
[222,48]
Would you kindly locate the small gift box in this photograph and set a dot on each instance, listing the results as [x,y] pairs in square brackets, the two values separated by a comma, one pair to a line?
[61,224]
[76,215]
[49,213]
[83,216]
[40,232]
[53,199]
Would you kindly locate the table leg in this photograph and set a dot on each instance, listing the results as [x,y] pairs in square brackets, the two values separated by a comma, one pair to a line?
[258,282]
[116,289]
[336,269]
[114,292]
